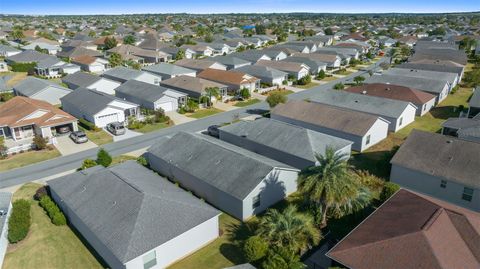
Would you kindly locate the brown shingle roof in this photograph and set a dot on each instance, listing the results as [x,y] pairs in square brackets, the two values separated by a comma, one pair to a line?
[84,59]
[230,77]
[396,92]
[14,112]
[347,121]
[413,231]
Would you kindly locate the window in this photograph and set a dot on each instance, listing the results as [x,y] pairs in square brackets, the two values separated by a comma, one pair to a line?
[150,260]
[256,201]
[400,121]
[368,140]
[424,107]
[467,194]
[443,184]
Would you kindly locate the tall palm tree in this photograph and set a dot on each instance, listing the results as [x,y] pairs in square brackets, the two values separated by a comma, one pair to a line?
[331,187]
[289,229]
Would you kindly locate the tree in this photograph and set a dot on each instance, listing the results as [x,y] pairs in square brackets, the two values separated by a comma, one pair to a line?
[212,92]
[40,142]
[103,158]
[129,40]
[280,258]
[389,189]
[245,93]
[44,51]
[328,31]
[109,43]
[276,98]
[353,29]
[405,51]
[260,29]
[115,59]
[289,229]
[255,248]
[17,34]
[330,188]
[339,86]
[358,79]
[180,54]
[321,75]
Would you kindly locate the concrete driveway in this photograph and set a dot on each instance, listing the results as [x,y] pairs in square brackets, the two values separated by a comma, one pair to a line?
[128,134]
[178,118]
[66,146]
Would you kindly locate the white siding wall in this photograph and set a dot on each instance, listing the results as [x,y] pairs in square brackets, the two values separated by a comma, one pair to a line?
[408,116]
[425,108]
[378,132]
[108,115]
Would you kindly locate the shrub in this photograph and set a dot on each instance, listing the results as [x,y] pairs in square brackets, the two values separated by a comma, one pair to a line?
[245,93]
[103,158]
[304,80]
[88,125]
[4,97]
[23,67]
[40,193]
[134,124]
[339,86]
[255,248]
[321,75]
[275,99]
[19,222]
[40,142]
[389,189]
[52,210]
[142,160]
[87,163]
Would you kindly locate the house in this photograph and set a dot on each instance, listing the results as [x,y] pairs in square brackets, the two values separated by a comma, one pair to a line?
[7,51]
[90,81]
[199,49]
[5,207]
[41,89]
[267,75]
[122,74]
[252,56]
[167,71]
[398,113]
[411,230]
[422,100]
[237,181]
[91,64]
[474,104]
[441,166]
[294,47]
[98,108]
[364,130]
[52,67]
[151,96]
[200,65]
[345,52]
[443,54]
[27,56]
[452,78]
[52,47]
[275,54]
[283,142]
[321,41]
[21,118]
[173,51]
[437,87]
[315,66]
[194,87]
[435,66]
[293,69]
[463,128]
[233,79]
[72,52]
[333,61]
[132,217]
[231,62]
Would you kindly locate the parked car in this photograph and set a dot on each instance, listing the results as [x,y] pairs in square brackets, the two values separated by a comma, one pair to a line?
[213,130]
[63,130]
[116,128]
[79,137]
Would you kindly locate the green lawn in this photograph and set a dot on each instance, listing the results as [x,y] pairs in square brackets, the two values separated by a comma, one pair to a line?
[281,91]
[247,103]
[202,113]
[308,86]
[221,253]
[332,78]
[100,137]
[153,127]
[343,73]
[26,158]
[47,246]
[121,159]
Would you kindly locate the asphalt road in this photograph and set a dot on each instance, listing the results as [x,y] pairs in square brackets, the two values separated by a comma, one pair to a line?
[66,163]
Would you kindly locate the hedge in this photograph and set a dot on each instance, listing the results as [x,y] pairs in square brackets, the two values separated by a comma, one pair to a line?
[87,125]
[53,212]
[19,222]
[23,67]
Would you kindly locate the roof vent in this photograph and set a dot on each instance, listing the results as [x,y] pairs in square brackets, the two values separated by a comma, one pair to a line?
[364,92]
[218,162]
[243,136]
[356,101]
[114,203]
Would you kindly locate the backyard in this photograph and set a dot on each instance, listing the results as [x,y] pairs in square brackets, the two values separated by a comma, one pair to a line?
[46,245]
[27,158]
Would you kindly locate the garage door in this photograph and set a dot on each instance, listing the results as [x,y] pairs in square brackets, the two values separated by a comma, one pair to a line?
[103,120]
[168,106]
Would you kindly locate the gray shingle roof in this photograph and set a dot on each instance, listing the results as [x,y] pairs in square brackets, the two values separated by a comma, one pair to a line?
[28,56]
[285,137]
[122,73]
[433,67]
[423,84]
[8,48]
[228,168]
[142,90]
[261,71]
[89,101]
[130,209]
[31,85]
[229,60]
[81,79]
[475,99]
[169,69]
[48,62]
[418,73]
[364,103]
[442,156]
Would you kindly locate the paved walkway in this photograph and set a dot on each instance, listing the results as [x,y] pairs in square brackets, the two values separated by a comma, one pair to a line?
[223,106]
[66,146]
[178,118]
[128,134]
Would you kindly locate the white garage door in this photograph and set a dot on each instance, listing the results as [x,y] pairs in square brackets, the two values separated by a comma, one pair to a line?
[103,120]
[168,106]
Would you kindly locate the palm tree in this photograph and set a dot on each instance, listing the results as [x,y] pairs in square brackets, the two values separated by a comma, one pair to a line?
[280,258]
[212,91]
[331,188]
[289,229]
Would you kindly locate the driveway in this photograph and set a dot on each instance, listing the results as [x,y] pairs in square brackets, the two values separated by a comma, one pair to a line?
[66,146]
[128,134]
[178,118]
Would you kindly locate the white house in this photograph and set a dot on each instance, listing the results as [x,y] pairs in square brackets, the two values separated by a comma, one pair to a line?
[91,64]
[92,82]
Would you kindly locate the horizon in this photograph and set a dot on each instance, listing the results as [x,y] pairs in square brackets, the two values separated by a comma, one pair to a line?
[111,7]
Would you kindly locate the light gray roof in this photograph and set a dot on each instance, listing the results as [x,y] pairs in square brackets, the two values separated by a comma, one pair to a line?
[363,103]
[8,48]
[433,67]
[441,156]
[229,60]
[418,73]
[122,73]
[461,123]
[250,55]
[28,56]
[475,99]
[291,139]
[423,84]
[48,62]
[31,85]
[130,209]
[142,90]
[224,166]
[80,79]
[261,71]
[89,101]
[312,63]
[168,69]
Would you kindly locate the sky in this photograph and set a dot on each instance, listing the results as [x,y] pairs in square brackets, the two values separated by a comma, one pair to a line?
[80,7]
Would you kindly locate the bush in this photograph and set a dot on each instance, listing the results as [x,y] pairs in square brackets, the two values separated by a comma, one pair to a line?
[19,222]
[87,163]
[339,86]
[255,248]
[245,93]
[389,189]
[4,97]
[88,125]
[52,210]
[304,80]
[42,191]
[321,75]
[134,124]
[142,160]
[23,67]
[275,99]
[103,158]
[40,142]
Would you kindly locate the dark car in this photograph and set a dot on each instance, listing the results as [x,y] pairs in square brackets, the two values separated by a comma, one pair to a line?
[213,130]
[79,137]
[116,128]
[63,129]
